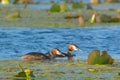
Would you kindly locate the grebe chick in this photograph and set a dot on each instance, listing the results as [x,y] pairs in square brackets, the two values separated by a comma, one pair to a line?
[69,55]
[41,56]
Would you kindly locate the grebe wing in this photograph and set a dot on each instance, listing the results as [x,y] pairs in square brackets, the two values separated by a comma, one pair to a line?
[35,53]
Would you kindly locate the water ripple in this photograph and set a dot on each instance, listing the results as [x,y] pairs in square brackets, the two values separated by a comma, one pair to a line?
[15,42]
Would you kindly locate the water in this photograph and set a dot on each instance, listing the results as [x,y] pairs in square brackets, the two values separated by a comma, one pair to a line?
[15,42]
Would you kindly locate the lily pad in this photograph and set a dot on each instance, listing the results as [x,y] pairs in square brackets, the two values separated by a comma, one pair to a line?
[119,73]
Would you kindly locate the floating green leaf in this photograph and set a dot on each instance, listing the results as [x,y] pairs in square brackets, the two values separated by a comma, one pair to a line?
[5,1]
[55,8]
[119,73]
[64,7]
[96,58]
[76,5]
[13,15]
[26,74]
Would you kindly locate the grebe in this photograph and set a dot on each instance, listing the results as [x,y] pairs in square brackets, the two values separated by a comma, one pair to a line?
[69,55]
[41,56]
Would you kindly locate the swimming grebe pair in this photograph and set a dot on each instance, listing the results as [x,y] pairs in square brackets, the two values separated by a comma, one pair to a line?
[42,56]
[50,55]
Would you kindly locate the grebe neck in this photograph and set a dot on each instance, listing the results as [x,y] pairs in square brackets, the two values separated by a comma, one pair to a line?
[70,57]
[49,55]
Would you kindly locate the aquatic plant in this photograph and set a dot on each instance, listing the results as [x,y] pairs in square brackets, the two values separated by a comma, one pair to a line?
[105,18]
[23,1]
[5,1]
[60,70]
[76,5]
[96,58]
[15,1]
[108,19]
[79,72]
[92,70]
[68,16]
[114,20]
[93,18]
[95,1]
[64,7]
[89,7]
[110,1]
[56,72]
[26,74]
[81,20]
[13,15]
[93,57]
[105,58]
[119,74]
[55,8]
[30,17]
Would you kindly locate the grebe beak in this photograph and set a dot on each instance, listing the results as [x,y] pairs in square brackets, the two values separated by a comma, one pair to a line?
[79,50]
[60,53]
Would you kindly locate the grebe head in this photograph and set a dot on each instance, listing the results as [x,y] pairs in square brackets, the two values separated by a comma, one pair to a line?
[56,52]
[72,47]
